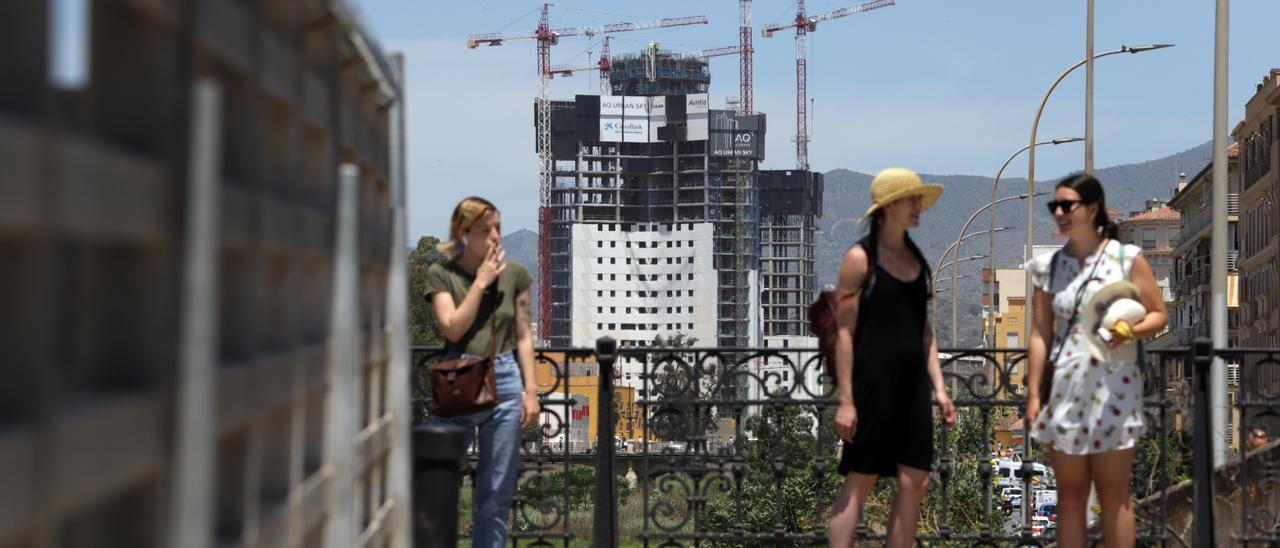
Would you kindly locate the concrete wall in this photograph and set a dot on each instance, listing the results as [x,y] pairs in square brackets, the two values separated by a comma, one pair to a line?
[635,285]
[202,320]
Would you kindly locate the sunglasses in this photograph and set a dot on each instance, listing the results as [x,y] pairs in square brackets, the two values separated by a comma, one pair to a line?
[1067,206]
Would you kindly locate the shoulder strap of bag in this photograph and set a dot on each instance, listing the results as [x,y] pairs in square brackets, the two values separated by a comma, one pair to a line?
[493,333]
[1075,308]
[869,285]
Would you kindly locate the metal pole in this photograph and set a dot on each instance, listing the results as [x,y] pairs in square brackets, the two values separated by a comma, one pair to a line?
[1088,93]
[991,238]
[1202,466]
[195,448]
[1031,174]
[960,236]
[437,481]
[1218,238]
[604,531]
[343,353]
[399,366]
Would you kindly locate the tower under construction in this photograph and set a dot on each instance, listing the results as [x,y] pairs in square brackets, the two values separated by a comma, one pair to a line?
[654,211]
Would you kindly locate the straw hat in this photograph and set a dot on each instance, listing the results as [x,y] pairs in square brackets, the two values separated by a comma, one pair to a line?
[1113,302]
[896,183]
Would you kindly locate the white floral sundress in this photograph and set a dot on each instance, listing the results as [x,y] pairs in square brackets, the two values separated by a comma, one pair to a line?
[1096,405]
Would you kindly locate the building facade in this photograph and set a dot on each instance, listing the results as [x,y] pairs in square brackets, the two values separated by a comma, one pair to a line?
[202,238]
[1193,200]
[1156,230]
[1259,207]
[790,204]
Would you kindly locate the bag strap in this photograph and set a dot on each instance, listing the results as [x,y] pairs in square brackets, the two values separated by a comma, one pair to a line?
[1075,308]
[493,332]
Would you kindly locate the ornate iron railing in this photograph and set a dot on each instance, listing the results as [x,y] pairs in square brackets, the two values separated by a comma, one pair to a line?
[736,447]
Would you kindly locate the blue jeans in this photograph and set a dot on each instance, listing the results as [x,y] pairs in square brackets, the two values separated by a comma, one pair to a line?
[499,467]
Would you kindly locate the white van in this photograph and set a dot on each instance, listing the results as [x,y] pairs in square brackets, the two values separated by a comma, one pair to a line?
[1008,473]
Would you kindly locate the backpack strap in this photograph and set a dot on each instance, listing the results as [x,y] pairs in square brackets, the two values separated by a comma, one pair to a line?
[869,284]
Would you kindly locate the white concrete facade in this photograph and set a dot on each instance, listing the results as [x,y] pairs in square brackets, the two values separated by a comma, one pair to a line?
[634,282]
[796,373]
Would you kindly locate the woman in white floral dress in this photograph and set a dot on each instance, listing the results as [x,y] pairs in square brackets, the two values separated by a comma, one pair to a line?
[1093,417]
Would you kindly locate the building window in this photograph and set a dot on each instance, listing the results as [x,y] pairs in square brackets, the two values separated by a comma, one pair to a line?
[600,277]
[1011,340]
[1149,238]
[599,260]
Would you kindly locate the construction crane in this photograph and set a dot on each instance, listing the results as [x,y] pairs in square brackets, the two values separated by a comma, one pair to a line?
[743,49]
[804,25]
[745,66]
[547,37]
[603,64]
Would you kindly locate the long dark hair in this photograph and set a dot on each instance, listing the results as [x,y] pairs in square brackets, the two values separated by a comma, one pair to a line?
[869,244]
[1090,191]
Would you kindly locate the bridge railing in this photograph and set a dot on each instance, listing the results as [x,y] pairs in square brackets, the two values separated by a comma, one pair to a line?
[733,446]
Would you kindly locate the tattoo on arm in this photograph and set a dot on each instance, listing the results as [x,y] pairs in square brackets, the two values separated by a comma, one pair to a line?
[524,314]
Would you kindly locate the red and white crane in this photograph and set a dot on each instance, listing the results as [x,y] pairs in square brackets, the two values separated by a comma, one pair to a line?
[804,25]
[547,37]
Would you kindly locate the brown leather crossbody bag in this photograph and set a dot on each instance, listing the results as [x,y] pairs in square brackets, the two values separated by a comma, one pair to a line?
[467,385]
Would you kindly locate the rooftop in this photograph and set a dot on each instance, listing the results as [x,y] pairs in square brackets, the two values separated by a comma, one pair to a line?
[1158,214]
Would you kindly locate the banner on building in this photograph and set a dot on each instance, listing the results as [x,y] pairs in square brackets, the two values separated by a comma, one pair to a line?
[641,119]
[736,135]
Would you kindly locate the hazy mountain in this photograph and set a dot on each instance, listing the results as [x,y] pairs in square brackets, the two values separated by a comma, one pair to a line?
[522,247]
[847,198]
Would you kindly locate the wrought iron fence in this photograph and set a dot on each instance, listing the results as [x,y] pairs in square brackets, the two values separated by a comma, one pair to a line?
[736,447]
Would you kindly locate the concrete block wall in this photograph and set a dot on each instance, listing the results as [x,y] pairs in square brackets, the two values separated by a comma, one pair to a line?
[198,348]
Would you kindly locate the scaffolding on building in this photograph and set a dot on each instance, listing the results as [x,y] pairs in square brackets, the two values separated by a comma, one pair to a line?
[659,72]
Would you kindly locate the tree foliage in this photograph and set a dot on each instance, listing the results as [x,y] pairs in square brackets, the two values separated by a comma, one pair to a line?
[423,329]
[677,382]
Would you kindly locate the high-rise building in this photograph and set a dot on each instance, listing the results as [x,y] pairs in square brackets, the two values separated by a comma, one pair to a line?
[790,204]
[654,213]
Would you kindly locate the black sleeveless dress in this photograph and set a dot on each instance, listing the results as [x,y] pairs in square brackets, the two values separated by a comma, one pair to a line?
[891,387]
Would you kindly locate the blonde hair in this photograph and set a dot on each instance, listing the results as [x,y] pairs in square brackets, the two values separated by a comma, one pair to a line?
[468,212]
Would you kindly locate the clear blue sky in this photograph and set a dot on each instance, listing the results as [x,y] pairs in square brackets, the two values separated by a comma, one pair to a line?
[944,87]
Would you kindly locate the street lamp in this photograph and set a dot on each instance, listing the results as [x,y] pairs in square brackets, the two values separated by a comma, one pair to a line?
[991,240]
[934,281]
[959,238]
[1031,163]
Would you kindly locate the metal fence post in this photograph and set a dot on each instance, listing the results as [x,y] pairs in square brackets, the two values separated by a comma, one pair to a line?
[1202,451]
[604,530]
[437,479]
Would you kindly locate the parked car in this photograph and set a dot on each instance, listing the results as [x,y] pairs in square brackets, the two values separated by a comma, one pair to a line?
[1048,510]
[1008,493]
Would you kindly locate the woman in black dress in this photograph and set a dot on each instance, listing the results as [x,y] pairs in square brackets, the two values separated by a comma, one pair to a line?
[886,362]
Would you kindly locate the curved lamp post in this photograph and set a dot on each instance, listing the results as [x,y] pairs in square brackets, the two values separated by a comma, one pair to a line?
[991,238]
[1031,162]
[934,283]
[961,236]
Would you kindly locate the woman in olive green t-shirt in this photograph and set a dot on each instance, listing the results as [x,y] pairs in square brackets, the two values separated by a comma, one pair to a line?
[480,300]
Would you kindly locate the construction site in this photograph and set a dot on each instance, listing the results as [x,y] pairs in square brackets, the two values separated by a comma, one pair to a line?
[647,164]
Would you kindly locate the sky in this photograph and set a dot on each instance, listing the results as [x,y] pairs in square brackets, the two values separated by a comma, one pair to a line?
[940,86]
